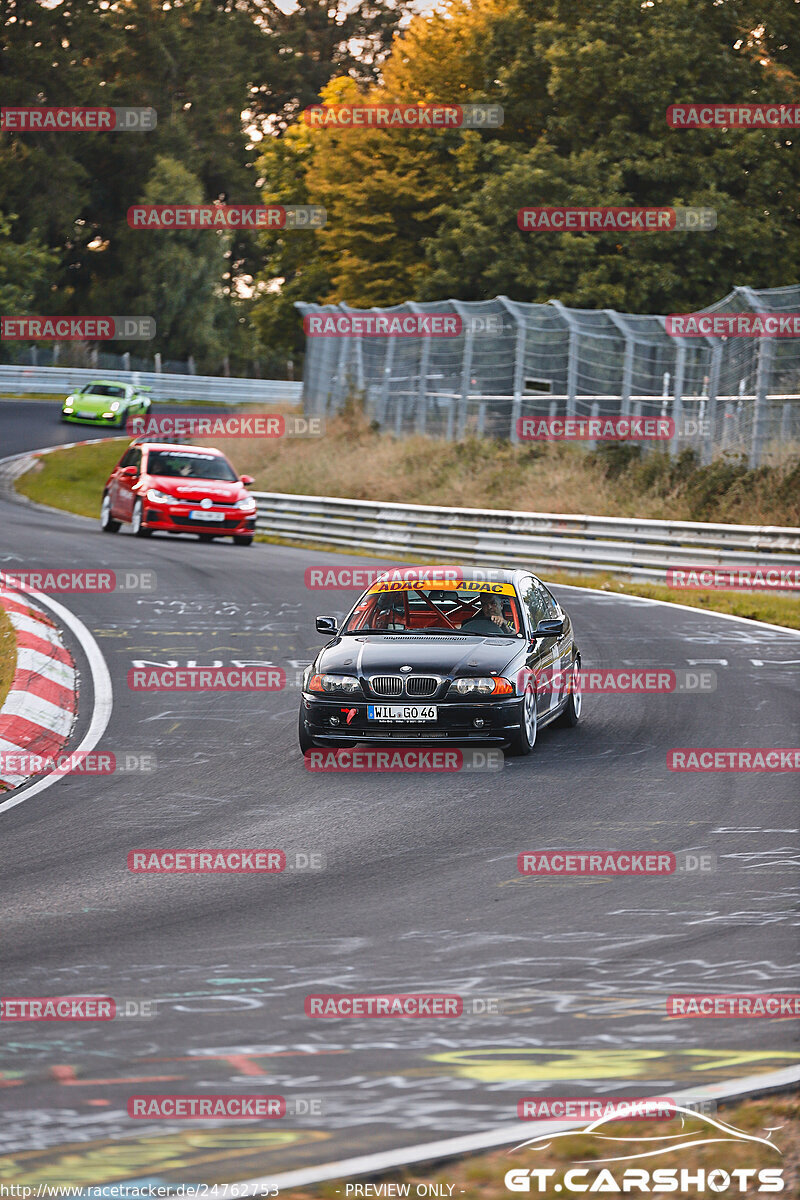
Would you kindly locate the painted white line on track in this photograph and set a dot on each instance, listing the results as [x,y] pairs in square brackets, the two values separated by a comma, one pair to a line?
[101,687]
[493,1139]
[690,608]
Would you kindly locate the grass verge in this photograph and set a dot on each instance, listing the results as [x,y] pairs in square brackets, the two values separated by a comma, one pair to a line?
[73,479]
[8,654]
[481,1177]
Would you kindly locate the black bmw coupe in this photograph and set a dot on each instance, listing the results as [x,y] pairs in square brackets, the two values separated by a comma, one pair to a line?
[444,655]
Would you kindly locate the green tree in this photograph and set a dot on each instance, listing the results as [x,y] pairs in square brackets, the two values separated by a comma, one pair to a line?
[174,276]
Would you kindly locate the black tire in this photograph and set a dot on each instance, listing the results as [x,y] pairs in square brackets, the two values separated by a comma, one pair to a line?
[107,522]
[572,710]
[303,736]
[138,529]
[524,739]
[243,539]
[206,537]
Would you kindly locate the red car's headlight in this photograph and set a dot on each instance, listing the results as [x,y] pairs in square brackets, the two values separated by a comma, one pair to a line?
[157,497]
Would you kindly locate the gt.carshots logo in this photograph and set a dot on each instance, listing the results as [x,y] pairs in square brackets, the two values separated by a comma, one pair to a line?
[697,1128]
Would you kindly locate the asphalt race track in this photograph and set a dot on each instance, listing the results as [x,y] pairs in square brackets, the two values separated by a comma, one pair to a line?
[419,891]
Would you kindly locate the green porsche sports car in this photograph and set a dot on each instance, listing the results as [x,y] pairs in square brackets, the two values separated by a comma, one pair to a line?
[106,403]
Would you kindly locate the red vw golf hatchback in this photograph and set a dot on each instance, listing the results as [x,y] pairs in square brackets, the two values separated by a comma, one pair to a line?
[178,489]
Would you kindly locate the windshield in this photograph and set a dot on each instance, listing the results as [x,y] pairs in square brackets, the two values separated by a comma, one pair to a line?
[104,389]
[459,607]
[176,464]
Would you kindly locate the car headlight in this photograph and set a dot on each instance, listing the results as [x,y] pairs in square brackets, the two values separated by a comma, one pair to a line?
[482,685]
[158,497]
[67,408]
[114,405]
[345,685]
[247,504]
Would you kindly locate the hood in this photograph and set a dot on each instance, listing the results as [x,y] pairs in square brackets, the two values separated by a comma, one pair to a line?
[197,489]
[448,654]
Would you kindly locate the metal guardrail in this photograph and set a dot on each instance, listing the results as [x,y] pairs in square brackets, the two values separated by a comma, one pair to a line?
[633,548]
[210,389]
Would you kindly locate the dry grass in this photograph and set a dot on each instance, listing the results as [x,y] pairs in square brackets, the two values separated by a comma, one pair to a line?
[355,461]
[480,1177]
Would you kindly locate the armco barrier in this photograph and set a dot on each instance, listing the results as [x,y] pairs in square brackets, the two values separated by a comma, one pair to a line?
[210,389]
[636,549]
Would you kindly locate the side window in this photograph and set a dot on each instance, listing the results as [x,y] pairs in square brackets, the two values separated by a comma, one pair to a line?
[534,602]
[126,460]
[551,604]
[132,459]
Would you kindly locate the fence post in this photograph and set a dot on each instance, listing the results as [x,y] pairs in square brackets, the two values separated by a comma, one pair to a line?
[713,405]
[466,375]
[763,370]
[388,361]
[422,387]
[519,366]
[572,360]
[627,362]
[157,362]
[126,361]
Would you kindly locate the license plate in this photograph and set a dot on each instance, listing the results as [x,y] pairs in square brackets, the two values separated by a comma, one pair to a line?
[401,712]
[202,514]
[86,416]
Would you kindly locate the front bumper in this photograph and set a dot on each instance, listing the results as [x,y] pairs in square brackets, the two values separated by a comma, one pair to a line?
[174,518]
[99,419]
[455,722]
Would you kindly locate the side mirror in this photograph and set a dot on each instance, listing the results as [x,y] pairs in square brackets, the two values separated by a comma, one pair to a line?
[548,629]
[130,472]
[246,480]
[327,625]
